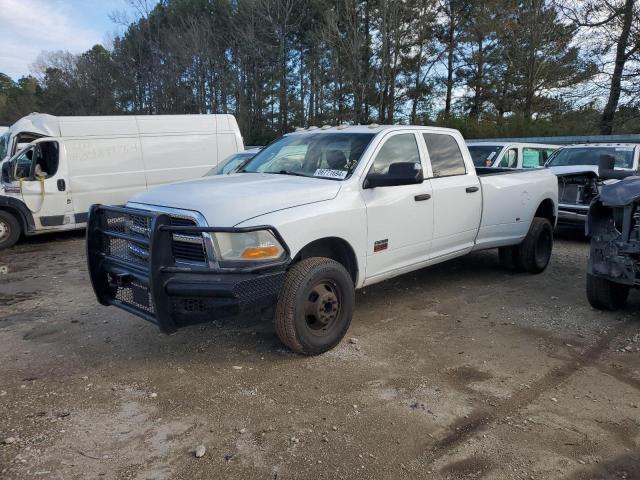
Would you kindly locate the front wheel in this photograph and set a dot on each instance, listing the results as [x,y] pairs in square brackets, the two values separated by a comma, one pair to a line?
[604,294]
[9,230]
[315,306]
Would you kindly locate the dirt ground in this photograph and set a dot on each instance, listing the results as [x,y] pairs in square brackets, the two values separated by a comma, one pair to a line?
[462,370]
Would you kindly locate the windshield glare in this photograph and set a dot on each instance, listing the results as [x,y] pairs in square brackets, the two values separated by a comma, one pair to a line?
[591,156]
[320,155]
[484,155]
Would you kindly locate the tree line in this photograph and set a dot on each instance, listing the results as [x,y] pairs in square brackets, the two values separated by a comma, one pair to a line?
[487,67]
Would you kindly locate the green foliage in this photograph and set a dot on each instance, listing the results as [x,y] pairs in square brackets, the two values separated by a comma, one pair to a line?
[510,67]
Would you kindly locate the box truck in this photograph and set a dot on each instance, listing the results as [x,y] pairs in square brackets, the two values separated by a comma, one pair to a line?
[54,168]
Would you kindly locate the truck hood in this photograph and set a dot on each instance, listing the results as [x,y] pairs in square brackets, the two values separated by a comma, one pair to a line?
[579,169]
[227,200]
[574,169]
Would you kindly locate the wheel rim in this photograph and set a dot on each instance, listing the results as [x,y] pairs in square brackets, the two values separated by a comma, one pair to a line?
[5,230]
[323,306]
[543,248]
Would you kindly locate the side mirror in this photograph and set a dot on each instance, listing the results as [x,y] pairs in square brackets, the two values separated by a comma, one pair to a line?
[607,171]
[400,173]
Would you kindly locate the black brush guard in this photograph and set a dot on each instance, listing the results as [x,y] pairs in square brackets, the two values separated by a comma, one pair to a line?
[132,266]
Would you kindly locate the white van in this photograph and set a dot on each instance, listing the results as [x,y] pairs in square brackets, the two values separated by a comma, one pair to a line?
[509,154]
[56,167]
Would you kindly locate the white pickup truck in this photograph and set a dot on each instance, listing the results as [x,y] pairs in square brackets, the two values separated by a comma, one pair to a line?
[312,217]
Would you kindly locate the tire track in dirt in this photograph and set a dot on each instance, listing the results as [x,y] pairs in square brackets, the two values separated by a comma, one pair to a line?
[463,429]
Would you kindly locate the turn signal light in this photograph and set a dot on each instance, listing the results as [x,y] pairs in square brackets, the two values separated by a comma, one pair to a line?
[257,253]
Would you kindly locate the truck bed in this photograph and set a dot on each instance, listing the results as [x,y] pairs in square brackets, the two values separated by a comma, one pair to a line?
[510,198]
[484,171]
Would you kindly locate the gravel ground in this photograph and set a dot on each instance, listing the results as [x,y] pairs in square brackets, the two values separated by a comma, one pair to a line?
[461,370]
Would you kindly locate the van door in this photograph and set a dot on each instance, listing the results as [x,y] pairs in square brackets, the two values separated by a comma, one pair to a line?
[40,173]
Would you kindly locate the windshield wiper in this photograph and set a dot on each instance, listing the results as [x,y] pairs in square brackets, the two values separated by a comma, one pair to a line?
[287,172]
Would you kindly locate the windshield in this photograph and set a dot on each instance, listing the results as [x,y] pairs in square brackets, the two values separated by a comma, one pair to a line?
[591,156]
[4,145]
[484,155]
[322,155]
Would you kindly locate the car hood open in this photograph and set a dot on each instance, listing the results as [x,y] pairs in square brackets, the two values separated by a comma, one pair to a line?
[227,200]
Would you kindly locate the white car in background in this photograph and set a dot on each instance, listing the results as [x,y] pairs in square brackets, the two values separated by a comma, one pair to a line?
[233,162]
[510,154]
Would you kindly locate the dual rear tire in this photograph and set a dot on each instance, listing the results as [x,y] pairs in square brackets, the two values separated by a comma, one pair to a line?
[534,253]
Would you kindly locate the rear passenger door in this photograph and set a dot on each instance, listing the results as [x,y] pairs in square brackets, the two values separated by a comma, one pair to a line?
[457,199]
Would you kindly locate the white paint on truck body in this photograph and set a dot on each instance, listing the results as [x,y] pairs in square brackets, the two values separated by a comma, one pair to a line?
[463,212]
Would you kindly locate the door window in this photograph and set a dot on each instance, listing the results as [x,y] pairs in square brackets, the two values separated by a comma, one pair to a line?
[532,157]
[510,159]
[401,148]
[24,162]
[444,152]
[46,161]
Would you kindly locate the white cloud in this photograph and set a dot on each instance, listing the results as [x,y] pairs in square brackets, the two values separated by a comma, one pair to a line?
[31,26]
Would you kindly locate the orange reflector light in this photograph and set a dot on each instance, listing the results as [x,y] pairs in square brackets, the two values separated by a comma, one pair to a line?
[256,253]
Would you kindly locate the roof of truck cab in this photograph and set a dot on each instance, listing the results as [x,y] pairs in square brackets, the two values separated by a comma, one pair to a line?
[476,143]
[601,145]
[370,129]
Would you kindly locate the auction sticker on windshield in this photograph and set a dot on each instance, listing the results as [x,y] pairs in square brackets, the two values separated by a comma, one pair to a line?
[328,173]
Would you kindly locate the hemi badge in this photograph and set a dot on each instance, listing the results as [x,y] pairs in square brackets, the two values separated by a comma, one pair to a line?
[380,245]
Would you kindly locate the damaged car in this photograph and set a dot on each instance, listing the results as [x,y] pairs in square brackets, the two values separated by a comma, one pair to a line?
[579,180]
[613,223]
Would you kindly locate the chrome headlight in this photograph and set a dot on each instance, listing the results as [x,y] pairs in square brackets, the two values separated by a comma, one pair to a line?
[260,245]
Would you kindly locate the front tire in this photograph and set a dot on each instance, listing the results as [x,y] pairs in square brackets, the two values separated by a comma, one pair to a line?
[604,294]
[315,306]
[9,230]
[535,250]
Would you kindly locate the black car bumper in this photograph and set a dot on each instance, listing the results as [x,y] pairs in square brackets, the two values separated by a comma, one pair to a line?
[132,263]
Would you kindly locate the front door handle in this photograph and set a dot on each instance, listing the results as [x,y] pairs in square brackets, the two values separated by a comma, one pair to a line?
[472,189]
[422,198]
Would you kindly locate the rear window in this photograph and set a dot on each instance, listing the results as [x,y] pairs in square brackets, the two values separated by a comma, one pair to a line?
[566,157]
[484,155]
[445,155]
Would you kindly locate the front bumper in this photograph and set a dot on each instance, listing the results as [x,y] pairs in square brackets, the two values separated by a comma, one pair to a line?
[572,215]
[130,255]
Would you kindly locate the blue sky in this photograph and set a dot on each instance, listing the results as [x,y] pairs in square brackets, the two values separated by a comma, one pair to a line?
[31,26]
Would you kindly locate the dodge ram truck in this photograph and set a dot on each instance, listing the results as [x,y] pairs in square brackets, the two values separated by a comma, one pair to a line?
[311,218]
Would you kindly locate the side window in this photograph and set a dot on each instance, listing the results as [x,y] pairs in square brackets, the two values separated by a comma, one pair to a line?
[532,158]
[46,164]
[547,154]
[510,159]
[24,162]
[399,148]
[444,152]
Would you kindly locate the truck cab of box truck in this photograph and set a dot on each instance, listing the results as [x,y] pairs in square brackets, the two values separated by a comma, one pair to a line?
[54,168]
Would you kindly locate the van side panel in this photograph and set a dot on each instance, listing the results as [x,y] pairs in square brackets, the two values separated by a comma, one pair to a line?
[173,150]
[104,170]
